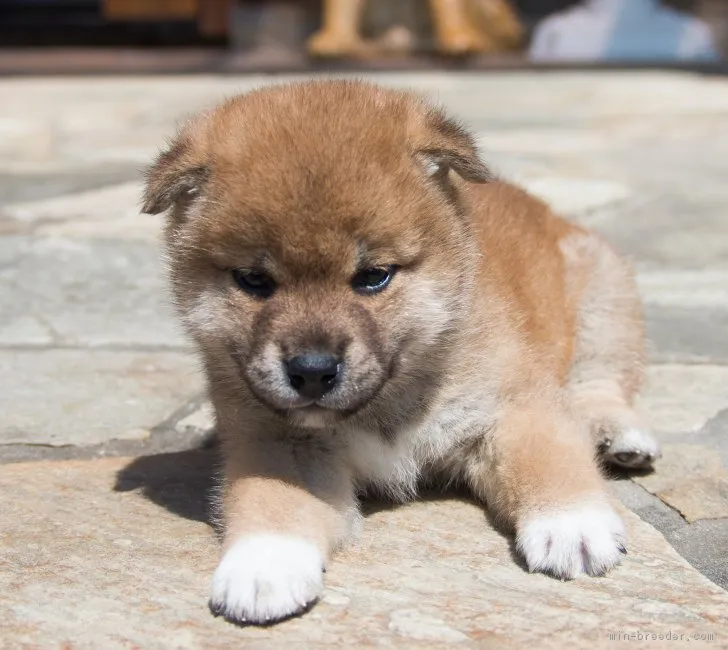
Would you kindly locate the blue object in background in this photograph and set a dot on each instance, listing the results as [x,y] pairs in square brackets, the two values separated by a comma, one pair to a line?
[622,30]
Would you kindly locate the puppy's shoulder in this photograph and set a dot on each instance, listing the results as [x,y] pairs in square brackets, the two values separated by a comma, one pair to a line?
[521,262]
[517,230]
[503,210]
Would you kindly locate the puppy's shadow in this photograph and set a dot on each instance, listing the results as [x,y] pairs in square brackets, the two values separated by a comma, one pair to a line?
[181,482]
[617,473]
[185,484]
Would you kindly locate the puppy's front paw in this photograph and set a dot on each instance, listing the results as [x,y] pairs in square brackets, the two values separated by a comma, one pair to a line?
[586,538]
[265,578]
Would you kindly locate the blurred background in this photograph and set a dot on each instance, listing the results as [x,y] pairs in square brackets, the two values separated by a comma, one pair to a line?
[298,35]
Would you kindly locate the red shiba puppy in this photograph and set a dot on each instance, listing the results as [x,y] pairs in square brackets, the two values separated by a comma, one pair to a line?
[373,309]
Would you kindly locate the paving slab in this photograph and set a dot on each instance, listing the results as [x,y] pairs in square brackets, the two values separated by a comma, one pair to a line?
[85,397]
[692,479]
[34,185]
[686,335]
[123,119]
[570,195]
[111,211]
[117,553]
[673,231]
[714,434]
[681,398]
[704,543]
[112,202]
[73,291]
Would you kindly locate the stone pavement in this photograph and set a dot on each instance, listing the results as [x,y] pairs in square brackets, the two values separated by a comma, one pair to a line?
[116,552]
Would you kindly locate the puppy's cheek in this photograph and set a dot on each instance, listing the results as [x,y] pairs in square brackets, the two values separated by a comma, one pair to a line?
[266,376]
[207,315]
[431,309]
[363,375]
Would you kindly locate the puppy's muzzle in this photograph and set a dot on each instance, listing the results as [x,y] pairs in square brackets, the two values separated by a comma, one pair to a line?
[313,374]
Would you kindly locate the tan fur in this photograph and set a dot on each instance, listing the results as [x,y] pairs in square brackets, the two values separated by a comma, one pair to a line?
[506,349]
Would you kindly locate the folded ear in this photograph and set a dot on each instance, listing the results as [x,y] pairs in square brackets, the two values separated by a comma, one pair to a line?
[451,146]
[176,175]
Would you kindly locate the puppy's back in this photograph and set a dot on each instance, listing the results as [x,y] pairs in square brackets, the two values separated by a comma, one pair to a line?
[521,263]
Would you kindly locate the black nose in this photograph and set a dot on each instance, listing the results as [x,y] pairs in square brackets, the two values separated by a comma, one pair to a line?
[313,375]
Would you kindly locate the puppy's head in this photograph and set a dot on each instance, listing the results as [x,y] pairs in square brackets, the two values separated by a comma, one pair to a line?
[318,244]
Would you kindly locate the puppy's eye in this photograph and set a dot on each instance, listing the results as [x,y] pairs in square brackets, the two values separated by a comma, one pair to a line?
[373,280]
[254,283]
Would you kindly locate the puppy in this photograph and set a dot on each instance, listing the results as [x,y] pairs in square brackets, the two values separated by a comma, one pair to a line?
[373,309]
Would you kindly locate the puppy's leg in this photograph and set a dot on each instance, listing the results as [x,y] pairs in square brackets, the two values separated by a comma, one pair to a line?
[607,371]
[286,508]
[537,473]
[621,436]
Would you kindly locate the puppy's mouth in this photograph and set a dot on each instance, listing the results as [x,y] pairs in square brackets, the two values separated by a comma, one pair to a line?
[279,394]
[307,412]
[312,414]
[315,415]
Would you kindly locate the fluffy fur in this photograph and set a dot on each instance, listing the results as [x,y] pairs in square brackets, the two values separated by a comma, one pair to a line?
[506,351]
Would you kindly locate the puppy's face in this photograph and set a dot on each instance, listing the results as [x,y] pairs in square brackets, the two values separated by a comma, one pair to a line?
[318,244]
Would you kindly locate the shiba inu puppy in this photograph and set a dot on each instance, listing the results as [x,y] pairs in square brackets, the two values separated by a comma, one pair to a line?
[374,309]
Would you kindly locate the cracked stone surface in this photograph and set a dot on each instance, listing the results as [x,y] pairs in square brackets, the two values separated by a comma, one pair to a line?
[62,291]
[691,479]
[684,398]
[81,566]
[48,398]
[93,364]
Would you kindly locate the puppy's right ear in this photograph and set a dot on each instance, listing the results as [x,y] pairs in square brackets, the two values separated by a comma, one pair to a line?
[176,175]
[449,146]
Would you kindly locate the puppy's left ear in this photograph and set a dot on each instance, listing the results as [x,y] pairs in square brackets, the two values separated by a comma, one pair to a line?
[450,146]
[176,176]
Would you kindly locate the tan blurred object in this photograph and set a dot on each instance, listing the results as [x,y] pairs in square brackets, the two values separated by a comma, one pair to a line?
[212,16]
[455,30]
[460,27]
[149,9]
[498,20]
[339,34]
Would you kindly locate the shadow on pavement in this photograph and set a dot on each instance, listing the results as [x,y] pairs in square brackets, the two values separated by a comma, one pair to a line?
[184,483]
[181,482]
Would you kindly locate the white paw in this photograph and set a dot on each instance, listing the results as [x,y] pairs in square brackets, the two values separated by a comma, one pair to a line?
[587,538]
[632,448]
[265,578]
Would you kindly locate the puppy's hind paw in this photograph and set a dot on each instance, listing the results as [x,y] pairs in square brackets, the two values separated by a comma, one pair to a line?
[585,538]
[631,448]
[263,579]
